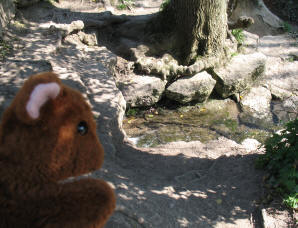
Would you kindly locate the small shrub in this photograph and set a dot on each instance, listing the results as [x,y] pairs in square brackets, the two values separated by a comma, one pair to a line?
[164,4]
[281,162]
[234,54]
[287,27]
[238,34]
[132,112]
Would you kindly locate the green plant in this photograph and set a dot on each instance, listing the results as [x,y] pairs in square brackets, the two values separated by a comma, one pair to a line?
[238,34]
[287,27]
[164,4]
[132,112]
[281,162]
[125,4]
[292,58]
[234,54]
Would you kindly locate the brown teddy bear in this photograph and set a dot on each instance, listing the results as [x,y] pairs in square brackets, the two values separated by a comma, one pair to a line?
[48,134]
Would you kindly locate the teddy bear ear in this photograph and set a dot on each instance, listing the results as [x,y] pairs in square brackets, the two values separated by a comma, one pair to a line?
[36,91]
[39,96]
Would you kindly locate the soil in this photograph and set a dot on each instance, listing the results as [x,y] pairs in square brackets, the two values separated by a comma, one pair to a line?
[176,185]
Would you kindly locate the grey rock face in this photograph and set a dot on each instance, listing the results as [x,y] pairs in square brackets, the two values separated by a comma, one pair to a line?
[240,74]
[7,12]
[256,107]
[196,88]
[142,90]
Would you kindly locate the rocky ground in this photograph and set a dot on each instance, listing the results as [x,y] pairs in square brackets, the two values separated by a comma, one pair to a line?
[175,185]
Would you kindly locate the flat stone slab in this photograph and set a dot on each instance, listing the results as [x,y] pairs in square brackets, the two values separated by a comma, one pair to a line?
[196,88]
[278,46]
[240,74]
[256,107]
[141,91]
[281,77]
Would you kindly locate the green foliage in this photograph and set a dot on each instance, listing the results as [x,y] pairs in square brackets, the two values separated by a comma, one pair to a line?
[292,58]
[281,161]
[125,4]
[132,112]
[5,49]
[287,27]
[238,34]
[164,4]
[234,54]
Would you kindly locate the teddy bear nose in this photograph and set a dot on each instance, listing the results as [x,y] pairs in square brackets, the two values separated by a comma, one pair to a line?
[82,128]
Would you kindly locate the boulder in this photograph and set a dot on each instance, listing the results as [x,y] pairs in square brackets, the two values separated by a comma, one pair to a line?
[240,74]
[251,144]
[7,12]
[196,88]
[255,105]
[141,91]
[285,110]
[89,39]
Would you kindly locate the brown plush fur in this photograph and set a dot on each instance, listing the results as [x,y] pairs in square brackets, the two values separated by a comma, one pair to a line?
[36,154]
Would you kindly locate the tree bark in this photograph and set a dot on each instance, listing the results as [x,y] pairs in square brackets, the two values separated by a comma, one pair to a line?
[199,27]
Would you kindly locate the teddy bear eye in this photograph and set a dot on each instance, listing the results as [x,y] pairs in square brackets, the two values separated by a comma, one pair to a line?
[82,128]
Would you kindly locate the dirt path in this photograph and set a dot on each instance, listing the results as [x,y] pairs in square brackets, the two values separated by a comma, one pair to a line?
[178,185]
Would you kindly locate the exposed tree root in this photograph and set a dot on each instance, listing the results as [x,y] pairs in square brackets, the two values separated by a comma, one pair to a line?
[168,68]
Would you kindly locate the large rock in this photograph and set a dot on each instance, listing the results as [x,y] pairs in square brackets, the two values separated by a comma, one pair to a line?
[141,91]
[240,74]
[7,12]
[196,88]
[256,107]
[286,110]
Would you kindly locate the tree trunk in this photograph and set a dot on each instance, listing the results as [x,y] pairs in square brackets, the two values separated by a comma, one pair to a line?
[199,27]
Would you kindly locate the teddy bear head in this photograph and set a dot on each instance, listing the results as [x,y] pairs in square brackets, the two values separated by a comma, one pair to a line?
[49,130]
